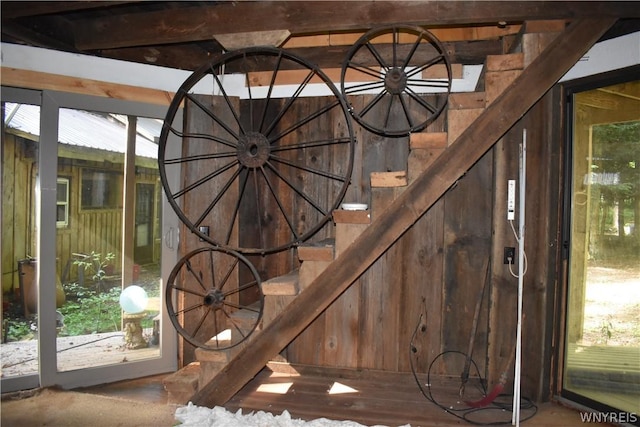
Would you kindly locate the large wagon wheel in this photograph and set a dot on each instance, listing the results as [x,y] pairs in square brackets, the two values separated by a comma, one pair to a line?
[396,65]
[214,298]
[262,165]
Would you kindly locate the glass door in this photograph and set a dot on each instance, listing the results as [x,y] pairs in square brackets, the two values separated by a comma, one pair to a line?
[104,159]
[18,234]
[96,205]
[602,345]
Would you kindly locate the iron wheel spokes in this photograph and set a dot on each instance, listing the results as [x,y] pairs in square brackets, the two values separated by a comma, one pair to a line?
[214,298]
[404,75]
[266,159]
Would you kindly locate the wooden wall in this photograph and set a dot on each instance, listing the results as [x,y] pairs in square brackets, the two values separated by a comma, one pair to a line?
[17,202]
[98,230]
[435,270]
[434,274]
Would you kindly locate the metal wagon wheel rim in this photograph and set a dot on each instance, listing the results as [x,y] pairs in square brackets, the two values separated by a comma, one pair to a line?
[220,291]
[261,153]
[395,65]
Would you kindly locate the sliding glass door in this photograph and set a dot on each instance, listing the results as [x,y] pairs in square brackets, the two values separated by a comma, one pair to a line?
[91,262]
[20,161]
[602,345]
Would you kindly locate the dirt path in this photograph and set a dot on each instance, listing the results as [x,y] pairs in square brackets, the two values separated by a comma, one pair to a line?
[612,306]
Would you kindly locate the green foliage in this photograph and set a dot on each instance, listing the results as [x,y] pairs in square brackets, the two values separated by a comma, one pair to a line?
[76,291]
[92,312]
[89,310]
[615,150]
[95,264]
[18,329]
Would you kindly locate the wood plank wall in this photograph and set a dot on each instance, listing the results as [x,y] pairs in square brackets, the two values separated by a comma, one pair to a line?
[197,201]
[435,273]
[17,172]
[423,291]
[98,230]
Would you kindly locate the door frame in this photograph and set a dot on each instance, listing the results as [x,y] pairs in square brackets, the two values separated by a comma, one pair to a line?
[50,103]
[570,89]
[143,254]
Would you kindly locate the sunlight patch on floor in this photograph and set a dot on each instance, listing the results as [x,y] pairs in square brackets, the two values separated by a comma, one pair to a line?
[338,388]
[280,388]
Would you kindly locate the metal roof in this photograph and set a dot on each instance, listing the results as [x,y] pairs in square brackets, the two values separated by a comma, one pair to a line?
[100,131]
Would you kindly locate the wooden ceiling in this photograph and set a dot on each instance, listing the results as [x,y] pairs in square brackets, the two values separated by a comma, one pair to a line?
[187,34]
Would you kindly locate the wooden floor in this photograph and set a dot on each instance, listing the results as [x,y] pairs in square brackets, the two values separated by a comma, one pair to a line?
[391,400]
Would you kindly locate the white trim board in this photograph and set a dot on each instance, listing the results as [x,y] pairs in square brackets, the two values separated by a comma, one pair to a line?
[613,54]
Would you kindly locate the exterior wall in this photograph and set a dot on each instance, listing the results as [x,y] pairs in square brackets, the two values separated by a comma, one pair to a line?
[97,230]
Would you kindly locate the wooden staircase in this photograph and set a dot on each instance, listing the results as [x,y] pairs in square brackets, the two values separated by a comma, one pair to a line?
[281,291]
[278,292]
[476,122]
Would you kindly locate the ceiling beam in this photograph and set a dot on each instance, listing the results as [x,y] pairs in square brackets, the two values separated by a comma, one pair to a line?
[609,100]
[17,9]
[629,90]
[424,192]
[190,57]
[308,17]
[466,33]
[27,35]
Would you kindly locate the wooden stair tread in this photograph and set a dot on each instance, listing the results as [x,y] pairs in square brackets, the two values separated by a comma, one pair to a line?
[286,284]
[185,379]
[388,179]
[428,140]
[351,217]
[323,250]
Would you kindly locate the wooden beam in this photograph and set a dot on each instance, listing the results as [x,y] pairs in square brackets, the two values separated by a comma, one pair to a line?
[423,193]
[191,56]
[28,36]
[186,56]
[309,17]
[17,9]
[253,38]
[38,80]
[467,33]
[288,77]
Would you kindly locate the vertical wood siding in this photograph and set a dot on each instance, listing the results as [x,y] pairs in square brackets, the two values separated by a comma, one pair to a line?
[428,282]
[88,230]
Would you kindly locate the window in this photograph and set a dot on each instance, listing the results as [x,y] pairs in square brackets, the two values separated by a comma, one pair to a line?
[62,203]
[101,189]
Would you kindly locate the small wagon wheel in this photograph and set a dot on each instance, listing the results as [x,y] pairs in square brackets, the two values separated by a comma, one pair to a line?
[270,166]
[397,65]
[214,298]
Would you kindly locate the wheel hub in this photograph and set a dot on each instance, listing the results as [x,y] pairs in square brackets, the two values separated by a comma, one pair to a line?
[214,298]
[395,81]
[253,149]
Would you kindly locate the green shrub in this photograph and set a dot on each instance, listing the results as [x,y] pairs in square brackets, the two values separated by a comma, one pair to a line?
[18,330]
[91,312]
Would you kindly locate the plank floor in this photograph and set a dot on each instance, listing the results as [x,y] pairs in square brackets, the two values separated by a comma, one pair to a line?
[390,400]
[385,399]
